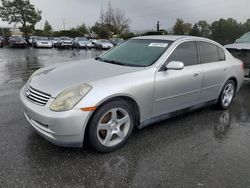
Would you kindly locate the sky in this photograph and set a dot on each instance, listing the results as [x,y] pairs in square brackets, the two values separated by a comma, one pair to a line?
[143,14]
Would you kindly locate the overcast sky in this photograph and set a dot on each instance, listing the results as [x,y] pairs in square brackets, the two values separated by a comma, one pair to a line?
[143,14]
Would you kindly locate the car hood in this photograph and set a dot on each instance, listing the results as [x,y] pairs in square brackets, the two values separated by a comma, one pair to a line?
[54,79]
[238,46]
[84,42]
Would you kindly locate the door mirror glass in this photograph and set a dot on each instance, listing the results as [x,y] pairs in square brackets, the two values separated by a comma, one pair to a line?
[175,65]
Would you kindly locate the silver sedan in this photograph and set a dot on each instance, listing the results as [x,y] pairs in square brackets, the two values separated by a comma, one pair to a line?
[142,81]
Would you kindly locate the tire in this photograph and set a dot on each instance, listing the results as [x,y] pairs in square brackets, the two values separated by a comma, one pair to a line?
[111,126]
[227,95]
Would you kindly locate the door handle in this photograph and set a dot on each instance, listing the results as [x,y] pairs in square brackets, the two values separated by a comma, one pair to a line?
[197,74]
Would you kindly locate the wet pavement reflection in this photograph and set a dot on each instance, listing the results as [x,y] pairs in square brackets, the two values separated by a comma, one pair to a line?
[204,148]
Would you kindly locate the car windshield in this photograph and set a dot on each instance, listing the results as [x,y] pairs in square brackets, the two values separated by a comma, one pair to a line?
[136,52]
[82,39]
[244,39]
[43,38]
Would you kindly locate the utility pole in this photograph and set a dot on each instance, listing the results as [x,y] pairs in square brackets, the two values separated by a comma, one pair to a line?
[64,24]
[158,26]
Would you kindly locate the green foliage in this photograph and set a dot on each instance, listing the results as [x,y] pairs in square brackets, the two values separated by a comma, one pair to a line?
[20,12]
[47,30]
[195,31]
[227,31]
[82,29]
[5,32]
[182,28]
[224,31]
[127,35]
[160,32]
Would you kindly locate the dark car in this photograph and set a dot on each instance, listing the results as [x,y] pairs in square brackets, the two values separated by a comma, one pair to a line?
[116,41]
[241,50]
[1,41]
[17,41]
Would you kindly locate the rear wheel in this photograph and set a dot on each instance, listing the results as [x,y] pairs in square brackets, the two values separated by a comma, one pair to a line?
[227,94]
[111,126]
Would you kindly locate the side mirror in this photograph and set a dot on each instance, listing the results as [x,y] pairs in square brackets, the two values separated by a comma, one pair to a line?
[175,65]
[236,40]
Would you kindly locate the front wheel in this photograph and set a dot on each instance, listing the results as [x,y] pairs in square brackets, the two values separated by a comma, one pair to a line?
[227,94]
[111,126]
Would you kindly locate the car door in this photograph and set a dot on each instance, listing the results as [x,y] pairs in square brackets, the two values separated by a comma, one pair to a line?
[178,89]
[215,68]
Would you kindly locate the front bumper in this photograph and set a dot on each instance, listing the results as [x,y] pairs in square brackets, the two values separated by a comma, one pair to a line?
[40,45]
[60,128]
[85,45]
[66,44]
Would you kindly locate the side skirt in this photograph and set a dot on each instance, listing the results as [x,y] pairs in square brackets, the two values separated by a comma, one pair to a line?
[174,114]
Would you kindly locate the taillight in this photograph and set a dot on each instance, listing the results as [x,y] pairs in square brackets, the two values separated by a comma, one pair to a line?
[242,65]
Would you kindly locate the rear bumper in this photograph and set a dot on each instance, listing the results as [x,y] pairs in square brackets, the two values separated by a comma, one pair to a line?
[60,128]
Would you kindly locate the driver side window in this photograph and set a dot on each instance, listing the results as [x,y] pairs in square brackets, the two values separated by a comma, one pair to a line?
[186,52]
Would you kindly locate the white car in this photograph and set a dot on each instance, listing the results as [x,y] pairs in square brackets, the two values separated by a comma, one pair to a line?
[103,44]
[137,83]
[42,42]
[81,42]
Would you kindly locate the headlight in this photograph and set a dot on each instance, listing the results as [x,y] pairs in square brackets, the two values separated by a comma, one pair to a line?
[69,98]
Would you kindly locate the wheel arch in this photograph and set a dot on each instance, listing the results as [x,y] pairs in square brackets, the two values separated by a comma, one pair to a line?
[234,79]
[134,105]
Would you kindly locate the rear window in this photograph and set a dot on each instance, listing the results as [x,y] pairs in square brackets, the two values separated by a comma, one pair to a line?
[209,52]
[221,54]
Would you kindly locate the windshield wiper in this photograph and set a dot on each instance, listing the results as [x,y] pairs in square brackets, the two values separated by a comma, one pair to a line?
[109,61]
[117,62]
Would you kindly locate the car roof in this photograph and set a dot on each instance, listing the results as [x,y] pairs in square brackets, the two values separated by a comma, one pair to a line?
[169,37]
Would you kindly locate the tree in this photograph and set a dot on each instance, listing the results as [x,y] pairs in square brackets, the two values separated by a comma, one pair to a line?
[182,28]
[204,28]
[195,30]
[119,22]
[113,21]
[20,12]
[82,29]
[47,29]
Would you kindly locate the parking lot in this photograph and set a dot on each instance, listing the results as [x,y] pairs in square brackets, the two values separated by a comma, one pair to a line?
[204,148]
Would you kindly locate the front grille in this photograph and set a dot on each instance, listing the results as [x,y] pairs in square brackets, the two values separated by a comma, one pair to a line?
[36,96]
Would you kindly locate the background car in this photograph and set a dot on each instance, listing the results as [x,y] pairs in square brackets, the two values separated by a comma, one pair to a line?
[31,39]
[142,81]
[103,44]
[64,42]
[241,50]
[54,41]
[116,41]
[42,42]
[17,41]
[1,41]
[82,42]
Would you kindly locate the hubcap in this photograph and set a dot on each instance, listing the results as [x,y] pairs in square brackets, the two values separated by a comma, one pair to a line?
[113,127]
[228,95]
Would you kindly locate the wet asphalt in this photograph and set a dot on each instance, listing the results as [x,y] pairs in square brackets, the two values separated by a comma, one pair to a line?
[204,148]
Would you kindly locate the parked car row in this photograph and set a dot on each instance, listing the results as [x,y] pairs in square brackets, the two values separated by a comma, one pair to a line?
[61,42]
